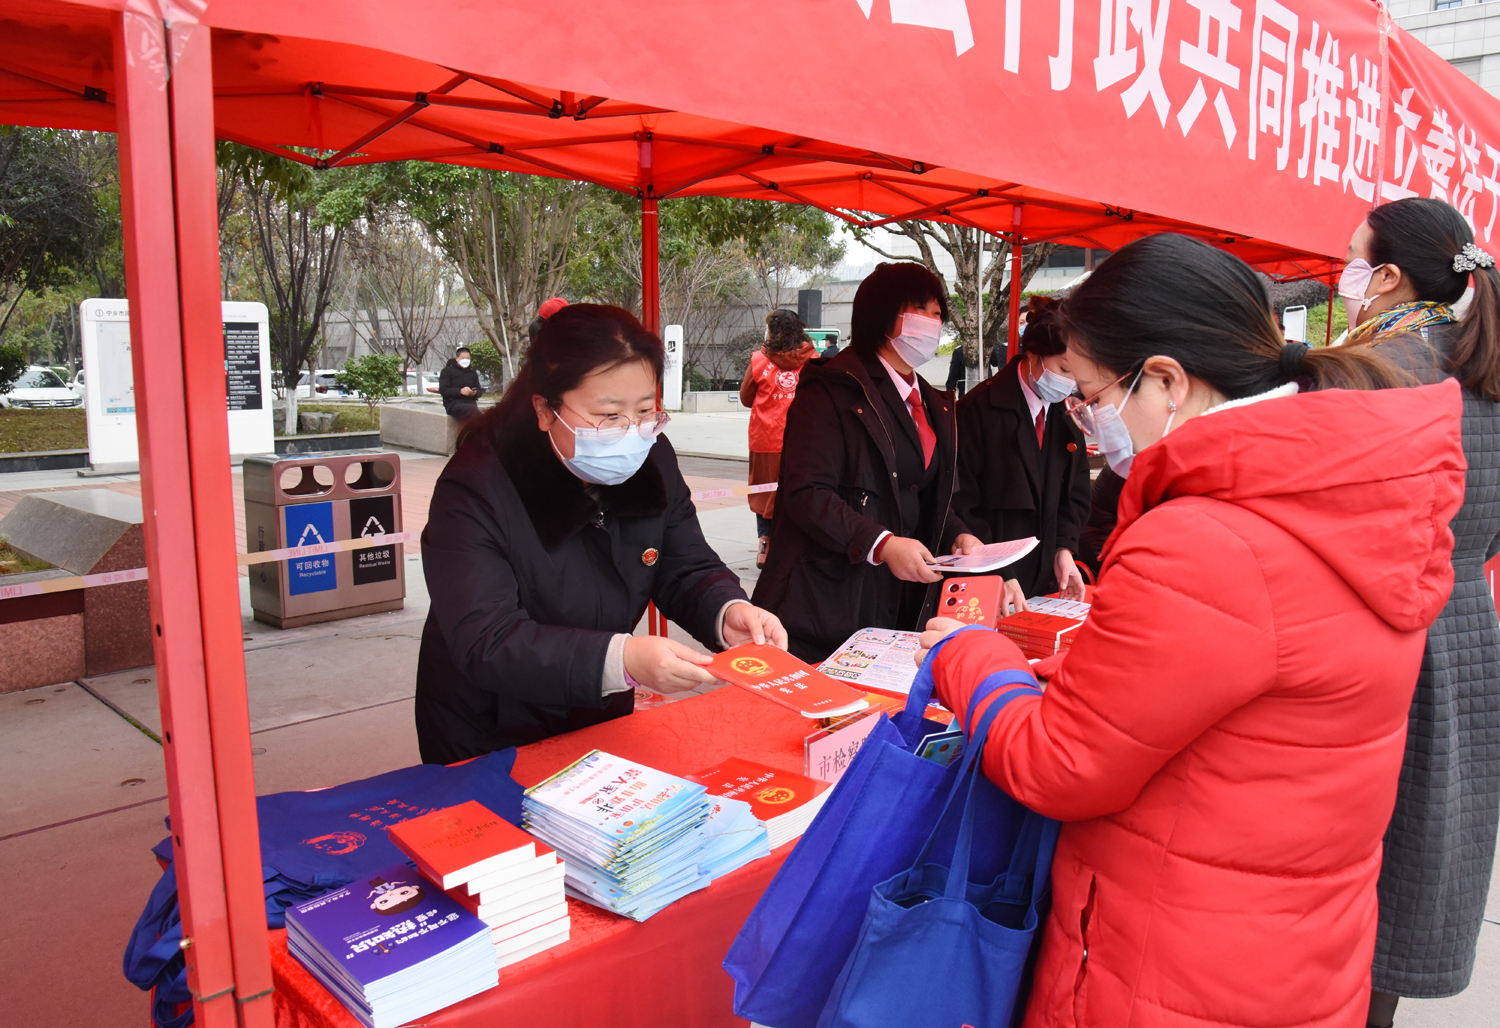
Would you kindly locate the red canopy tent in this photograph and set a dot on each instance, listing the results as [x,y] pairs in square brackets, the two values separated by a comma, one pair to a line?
[1265,127]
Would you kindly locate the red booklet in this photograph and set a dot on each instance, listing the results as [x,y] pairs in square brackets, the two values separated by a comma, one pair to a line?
[972,599]
[785,802]
[1039,635]
[456,844]
[782,678]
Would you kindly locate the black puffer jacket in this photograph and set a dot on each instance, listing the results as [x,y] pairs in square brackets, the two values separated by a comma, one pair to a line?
[530,579]
[452,380]
[851,469]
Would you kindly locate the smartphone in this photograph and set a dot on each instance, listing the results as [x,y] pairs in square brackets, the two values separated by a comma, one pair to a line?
[972,599]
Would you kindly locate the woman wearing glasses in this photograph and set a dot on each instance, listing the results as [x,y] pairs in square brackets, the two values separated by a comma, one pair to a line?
[560,517]
[1224,739]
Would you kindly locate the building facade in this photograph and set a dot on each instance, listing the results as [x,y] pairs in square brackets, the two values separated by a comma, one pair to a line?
[1465,33]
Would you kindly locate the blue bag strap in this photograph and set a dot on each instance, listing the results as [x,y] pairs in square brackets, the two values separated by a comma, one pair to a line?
[978,733]
[921,690]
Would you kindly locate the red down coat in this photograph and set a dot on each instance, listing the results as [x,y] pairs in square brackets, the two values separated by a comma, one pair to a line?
[1225,737]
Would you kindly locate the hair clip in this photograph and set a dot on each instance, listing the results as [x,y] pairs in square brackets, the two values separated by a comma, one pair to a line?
[1471,257]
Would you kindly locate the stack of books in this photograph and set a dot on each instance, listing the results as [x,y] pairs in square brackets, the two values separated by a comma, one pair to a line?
[632,837]
[733,837]
[497,872]
[392,947]
[1049,627]
[784,802]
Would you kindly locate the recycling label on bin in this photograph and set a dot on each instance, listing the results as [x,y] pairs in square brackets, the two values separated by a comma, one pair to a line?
[374,515]
[308,524]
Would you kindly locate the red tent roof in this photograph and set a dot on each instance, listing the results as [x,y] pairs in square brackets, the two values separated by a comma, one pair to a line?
[1169,123]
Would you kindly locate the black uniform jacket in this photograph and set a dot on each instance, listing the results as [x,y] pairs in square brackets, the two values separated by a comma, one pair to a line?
[1009,488]
[530,578]
[851,468]
[453,378]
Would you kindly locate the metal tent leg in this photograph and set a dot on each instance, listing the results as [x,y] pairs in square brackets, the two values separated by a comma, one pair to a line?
[171,246]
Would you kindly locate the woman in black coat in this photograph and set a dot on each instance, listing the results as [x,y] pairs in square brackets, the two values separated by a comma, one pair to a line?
[560,517]
[867,474]
[1012,484]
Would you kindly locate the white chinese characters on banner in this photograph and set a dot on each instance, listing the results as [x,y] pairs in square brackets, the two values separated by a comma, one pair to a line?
[1262,75]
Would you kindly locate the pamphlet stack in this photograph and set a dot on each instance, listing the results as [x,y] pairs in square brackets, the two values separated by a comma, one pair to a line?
[1048,627]
[392,947]
[632,837]
[495,871]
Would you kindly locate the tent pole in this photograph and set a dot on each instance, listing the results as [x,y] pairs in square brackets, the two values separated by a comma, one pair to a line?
[650,268]
[1013,335]
[169,216]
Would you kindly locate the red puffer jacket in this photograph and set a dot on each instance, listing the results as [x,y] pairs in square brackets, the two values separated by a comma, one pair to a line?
[1224,739]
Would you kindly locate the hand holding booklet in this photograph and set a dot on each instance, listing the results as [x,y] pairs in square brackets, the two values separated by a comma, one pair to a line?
[990,557]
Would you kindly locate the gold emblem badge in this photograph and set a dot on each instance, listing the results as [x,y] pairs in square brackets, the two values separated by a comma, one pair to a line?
[1072,447]
[648,558]
[750,666]
[776,794]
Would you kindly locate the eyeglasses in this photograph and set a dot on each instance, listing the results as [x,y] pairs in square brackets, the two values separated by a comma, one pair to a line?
[1084,410]
[614,427]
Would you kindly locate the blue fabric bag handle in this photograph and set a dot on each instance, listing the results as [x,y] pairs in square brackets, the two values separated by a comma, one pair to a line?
[911,720]
[928,952]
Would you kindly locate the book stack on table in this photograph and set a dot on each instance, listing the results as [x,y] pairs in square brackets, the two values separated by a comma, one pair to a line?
[732,837]
[495,871]
[1048,627]
[632,837]
[392,947]
[784,802]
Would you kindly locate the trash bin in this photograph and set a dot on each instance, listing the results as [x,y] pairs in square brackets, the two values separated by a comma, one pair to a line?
[320,498]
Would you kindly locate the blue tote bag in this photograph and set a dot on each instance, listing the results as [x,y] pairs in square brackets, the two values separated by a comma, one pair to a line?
[791,949]
[938,948]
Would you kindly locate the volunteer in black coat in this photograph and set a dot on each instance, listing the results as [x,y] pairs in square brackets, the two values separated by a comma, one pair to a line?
[458,385]
[1012,485]
[561,515]
[863,501]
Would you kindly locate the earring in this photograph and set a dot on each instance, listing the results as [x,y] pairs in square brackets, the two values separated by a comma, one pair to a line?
[1171,406]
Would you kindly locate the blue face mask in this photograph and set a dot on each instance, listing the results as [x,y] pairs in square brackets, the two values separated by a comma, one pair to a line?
[1050,387]
[604,463]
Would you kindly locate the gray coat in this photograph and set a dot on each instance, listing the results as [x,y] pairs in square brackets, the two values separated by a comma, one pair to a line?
[1440,846]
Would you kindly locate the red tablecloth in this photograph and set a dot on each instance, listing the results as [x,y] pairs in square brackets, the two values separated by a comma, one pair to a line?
[614,971]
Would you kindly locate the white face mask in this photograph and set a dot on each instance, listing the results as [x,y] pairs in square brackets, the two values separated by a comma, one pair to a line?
[1354,281]
[917,337]
[604,463]
[1050,387]
[463,362]
[1114,438]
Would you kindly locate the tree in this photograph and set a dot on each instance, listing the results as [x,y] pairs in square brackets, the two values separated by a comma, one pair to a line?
[298,218]
[514,238]
[376,377]
[13,364]
[966,246]
[402,273]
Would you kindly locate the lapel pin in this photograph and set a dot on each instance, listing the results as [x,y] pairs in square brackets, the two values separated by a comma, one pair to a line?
[649,555]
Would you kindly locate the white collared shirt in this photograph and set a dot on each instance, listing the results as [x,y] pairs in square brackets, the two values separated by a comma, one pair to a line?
[1034,403]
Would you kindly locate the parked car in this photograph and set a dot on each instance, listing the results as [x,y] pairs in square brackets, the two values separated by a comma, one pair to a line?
[77,384]
[427,386]
[321,383]
[40,387]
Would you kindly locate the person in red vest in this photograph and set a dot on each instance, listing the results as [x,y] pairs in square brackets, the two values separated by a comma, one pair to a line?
[1224,739]
[770,383]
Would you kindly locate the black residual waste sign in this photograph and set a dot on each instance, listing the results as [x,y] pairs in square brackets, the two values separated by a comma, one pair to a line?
[373,516]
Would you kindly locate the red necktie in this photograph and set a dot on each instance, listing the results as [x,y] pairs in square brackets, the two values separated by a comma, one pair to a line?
[1041,426]
[924,430]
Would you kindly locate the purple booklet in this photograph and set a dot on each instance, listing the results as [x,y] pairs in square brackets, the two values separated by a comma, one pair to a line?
[375,928]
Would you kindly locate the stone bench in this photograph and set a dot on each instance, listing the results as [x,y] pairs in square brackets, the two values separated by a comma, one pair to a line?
[80,632]
[418,426]
[704,403]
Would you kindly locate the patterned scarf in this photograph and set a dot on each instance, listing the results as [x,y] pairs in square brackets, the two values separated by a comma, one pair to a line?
[1404,317]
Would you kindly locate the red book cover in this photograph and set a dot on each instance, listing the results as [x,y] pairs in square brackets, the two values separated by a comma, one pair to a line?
[452,845]
[782,678]
[771,792]
[974,600]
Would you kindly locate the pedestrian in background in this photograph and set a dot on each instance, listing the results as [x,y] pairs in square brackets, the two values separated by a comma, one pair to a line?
[1023,468]
[1407,264]
[1224,739]
[768,387]
[958,372]
[458,385]
[867,476]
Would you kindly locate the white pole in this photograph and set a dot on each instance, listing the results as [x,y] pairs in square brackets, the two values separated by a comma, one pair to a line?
[979,261]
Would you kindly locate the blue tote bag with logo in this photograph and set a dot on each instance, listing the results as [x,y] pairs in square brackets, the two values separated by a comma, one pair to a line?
[937,947]
[793,946]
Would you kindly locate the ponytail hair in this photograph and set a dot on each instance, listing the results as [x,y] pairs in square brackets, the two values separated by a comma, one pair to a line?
[1422,236]
[572,344]
[1042,336]
[1172,296]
